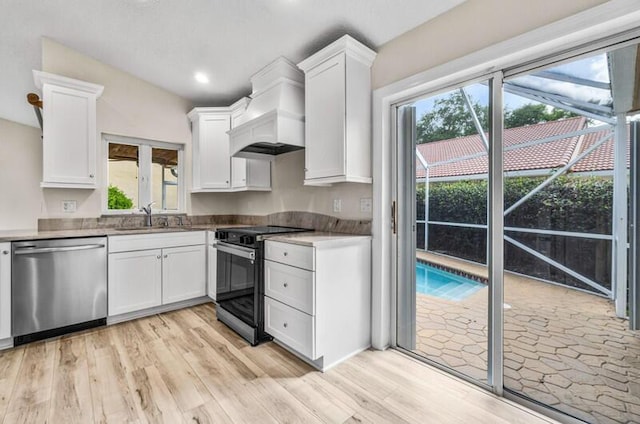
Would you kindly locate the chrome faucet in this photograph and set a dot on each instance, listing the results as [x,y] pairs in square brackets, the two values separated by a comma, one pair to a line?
[147,211]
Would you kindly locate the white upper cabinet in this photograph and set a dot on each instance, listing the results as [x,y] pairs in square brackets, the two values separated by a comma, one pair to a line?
[214,169]
[338,113]
[69,135]
[211,160]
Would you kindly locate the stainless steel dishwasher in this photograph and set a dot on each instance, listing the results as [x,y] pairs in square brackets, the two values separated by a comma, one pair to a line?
[57,286]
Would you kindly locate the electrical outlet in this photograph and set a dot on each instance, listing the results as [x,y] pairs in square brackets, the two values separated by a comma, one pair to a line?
[365,204]
[337,205]
[69,206]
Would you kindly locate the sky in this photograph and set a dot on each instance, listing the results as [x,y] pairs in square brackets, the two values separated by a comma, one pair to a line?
[593,68]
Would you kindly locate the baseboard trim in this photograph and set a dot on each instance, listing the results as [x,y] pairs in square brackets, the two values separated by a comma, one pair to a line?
[157,310]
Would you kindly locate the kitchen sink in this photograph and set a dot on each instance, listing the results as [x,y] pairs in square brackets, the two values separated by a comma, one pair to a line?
[153,229]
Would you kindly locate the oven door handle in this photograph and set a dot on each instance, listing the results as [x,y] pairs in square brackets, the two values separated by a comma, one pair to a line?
[236,250]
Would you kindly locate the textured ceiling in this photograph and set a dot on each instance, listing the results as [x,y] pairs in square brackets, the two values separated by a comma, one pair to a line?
[166,41]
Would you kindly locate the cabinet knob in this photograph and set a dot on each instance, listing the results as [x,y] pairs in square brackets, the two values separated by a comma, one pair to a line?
[166,256]
[285,253]
[285,325]
[90,175]
[5,252]
[159,256]
[227,182]
[286,285]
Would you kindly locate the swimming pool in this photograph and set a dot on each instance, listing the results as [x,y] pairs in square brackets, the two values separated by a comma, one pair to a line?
[446,285]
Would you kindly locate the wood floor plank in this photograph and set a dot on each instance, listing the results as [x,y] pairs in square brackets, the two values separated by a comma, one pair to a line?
[37,413]
[237,403]
[71,394]
[180,379]
[185,366]
[209,413]
[35,377]
[10,362]
[326,408]
[152,398]
[110,393]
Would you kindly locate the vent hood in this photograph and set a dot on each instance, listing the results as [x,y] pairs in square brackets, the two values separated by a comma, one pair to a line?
[274,120]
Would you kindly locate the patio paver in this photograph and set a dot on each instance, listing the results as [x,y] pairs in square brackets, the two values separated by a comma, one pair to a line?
[563,347]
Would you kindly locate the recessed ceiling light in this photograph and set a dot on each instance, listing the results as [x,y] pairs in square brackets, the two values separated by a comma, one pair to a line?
[201,78]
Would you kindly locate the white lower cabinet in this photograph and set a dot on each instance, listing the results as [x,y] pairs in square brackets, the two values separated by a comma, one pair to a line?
[182,273]
[134,281]
[318,297]
[5,290]
[212,265]
[290,326]
[163,269]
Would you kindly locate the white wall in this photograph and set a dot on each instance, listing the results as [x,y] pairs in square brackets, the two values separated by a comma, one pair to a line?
[129,106]
[20,176]
[465,29]
[289,193]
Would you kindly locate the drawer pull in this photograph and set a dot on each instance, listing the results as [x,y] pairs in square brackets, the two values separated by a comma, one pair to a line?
[285,325]
[286,285]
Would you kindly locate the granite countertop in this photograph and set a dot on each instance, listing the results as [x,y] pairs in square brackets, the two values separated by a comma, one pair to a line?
[316,238]
[17,235]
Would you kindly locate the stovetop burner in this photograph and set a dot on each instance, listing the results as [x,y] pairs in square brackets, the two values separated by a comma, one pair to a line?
[267,230]
[250,236]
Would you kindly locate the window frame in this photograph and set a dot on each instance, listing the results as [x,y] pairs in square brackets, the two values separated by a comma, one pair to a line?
[145,174]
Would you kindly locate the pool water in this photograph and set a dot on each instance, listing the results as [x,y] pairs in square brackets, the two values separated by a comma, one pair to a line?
[446,285]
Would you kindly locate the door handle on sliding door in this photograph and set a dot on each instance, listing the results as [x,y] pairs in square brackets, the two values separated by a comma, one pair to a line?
[394,221]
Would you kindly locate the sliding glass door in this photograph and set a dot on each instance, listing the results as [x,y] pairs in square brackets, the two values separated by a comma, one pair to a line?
[443,287]
[517,255]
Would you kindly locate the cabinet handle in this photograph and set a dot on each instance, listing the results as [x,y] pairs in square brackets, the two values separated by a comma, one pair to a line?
[159,256]
[285,253]
[286,325]
[5,252]
[166,256]
[90,175]
[286,285]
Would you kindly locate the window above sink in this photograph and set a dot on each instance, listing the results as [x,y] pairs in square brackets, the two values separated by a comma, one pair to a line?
[139,172]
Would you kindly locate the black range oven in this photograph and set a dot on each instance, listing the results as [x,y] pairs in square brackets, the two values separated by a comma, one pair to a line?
[240,279]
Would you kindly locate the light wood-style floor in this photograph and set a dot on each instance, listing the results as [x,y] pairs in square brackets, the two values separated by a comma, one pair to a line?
[186,367]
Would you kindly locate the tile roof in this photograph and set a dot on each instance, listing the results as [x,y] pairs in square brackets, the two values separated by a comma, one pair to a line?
[545,156]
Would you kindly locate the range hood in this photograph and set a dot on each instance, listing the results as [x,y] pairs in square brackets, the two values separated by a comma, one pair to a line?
[274,120]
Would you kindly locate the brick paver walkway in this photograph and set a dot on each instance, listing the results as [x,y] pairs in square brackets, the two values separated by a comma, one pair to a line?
[564,348]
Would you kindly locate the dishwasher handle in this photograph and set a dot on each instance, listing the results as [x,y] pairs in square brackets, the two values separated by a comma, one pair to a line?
[29,250]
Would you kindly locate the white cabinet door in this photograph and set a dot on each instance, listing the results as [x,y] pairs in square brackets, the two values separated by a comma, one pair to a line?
[69,138]
[183,273]
[325,95]
[212,269]
[212,151]
[5,290]
[135,281]
[238,172]
[259,174]
[253,174]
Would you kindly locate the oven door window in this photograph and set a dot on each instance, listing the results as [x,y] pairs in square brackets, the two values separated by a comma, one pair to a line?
[236,280]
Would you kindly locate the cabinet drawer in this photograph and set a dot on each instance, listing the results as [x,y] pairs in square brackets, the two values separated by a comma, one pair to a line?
[290,285]
[290,254]
[290,326]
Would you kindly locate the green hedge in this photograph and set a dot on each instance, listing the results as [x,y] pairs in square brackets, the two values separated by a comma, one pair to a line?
[580,204]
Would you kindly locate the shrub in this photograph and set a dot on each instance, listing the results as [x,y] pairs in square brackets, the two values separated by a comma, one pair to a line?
[118,200]
[569,203]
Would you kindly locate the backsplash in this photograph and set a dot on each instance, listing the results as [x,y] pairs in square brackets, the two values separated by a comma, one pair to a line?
[309,220]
